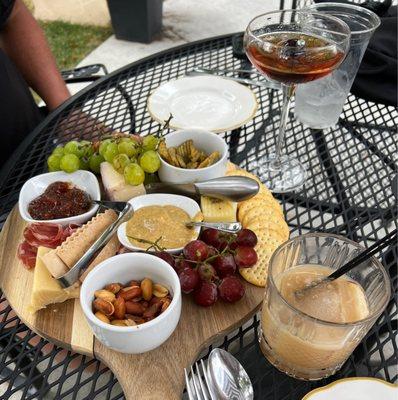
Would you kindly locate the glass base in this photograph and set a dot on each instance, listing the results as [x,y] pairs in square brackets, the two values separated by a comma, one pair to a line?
[288,369]
[285,176]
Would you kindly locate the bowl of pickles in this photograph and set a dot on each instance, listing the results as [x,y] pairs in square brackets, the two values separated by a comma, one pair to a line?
[192,155]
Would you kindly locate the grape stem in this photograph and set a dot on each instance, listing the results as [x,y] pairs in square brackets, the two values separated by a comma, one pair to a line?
[155,245]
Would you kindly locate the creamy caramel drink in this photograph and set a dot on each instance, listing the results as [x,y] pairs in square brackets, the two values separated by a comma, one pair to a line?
[310,333]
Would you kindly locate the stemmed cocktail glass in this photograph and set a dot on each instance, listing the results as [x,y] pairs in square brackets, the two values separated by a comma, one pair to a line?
[293,47]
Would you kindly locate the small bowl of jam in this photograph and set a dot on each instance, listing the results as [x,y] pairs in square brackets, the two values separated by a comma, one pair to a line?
[60,198]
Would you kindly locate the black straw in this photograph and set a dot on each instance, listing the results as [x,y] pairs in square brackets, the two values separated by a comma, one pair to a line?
[365,255]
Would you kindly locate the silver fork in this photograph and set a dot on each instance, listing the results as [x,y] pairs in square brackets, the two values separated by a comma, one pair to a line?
[197,388]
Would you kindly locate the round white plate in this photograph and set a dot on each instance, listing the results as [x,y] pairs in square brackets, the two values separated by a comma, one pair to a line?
[355,388]
[205,102]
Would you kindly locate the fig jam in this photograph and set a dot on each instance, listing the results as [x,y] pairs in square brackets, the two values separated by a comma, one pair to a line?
[60,200]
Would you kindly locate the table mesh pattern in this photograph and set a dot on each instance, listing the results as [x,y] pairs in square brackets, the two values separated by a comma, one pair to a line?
[348,192]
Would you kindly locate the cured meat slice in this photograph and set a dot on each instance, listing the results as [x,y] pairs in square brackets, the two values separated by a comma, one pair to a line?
[27,254]
[46,235]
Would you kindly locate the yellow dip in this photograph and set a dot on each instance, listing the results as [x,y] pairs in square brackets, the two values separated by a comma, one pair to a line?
[152,222]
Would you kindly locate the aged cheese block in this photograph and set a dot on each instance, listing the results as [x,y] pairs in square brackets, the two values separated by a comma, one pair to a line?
[47,290]
[216,210]
[115,186]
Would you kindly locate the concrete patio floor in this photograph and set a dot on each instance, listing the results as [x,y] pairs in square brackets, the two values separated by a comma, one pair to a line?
[183,21]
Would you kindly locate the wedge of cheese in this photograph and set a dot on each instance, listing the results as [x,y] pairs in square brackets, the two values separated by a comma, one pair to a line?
[47,290]
[115,186]
[216,210]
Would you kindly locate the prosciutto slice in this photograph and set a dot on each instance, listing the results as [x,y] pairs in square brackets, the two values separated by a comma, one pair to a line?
[47,235]
[27,254]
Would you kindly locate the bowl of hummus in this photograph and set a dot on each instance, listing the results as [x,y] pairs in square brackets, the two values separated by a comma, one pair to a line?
[159,222]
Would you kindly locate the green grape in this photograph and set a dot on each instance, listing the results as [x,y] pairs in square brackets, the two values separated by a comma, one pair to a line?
[150,142]
[111,152]
[150,161]
[73,147]
[103,146]
[69,163]
[134,174]
[151,178]
[128,147]
[120,161]
[95,162]
[87,148]
[84,163]
[53,162]
[58,151]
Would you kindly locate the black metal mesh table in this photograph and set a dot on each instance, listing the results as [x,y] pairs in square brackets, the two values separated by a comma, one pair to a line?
[348,191]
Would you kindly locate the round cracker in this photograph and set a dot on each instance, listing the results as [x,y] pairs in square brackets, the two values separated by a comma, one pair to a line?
[257,275]
[264,235]
[280,227]
[259,214]
[260,201]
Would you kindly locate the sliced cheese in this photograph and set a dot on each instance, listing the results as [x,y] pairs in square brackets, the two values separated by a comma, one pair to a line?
[47,290]
[216,210]
[115,186]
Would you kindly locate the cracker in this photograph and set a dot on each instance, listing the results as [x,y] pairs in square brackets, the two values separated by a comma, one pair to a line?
[260,201]
[109,250]
[257,275]
[242,172]
[259,214]
[281,227]
[73,248]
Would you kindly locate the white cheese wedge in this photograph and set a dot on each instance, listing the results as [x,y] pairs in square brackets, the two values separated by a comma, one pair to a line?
[215,210]
[47,290]
[115,186]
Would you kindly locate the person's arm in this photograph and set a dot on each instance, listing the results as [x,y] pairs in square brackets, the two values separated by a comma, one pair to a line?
[24,42]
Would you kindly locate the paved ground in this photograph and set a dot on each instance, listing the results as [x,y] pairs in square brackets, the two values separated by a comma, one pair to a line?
[183,21]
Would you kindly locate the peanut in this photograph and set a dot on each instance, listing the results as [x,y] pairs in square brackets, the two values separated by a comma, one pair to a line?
[120,308]
[159,290]
[137,320]
[165,304]
[104,294]
[134,308]
[104,306]
[130,322]
[113,287]
[130,292]
[152,310]
[133,283]
[118,322]
[147,288]
[102,317]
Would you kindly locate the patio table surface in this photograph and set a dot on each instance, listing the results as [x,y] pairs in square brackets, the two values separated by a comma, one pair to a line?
[348,192]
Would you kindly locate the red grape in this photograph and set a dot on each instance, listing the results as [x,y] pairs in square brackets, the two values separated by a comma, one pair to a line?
[189,279]
[182,263]
[210,236]
[231,289]
[246,237]
[206,272]
[196,251]
[245,256]
[225,265]
[164,255]
[212,251]
[206,294]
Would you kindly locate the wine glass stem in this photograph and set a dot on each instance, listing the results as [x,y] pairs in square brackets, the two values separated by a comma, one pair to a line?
[288,92]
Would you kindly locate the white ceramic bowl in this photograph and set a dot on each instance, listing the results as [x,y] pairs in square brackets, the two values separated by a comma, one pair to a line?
[204,140]
[355,388]
[36,186]
[190,206]
[123,268]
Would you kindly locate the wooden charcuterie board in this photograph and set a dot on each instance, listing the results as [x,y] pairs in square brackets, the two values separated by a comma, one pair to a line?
[157,374]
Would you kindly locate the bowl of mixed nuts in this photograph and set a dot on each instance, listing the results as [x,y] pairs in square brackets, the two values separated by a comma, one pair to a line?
[132,302]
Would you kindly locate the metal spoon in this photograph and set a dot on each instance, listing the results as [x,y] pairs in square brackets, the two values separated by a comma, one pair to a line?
[230,227]
[228,379]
